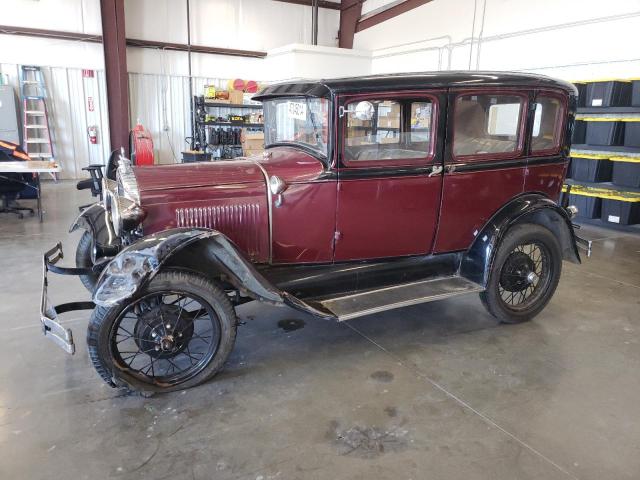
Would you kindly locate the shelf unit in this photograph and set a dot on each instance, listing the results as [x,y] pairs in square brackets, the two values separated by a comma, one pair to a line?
[203,131]
[209,103]
[610,101]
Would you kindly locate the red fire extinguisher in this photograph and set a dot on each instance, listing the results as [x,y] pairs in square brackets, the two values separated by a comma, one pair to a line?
[93,134]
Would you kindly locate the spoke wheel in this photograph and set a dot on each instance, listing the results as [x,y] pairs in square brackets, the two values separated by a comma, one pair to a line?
[524,273]
[177,333]
[165,337]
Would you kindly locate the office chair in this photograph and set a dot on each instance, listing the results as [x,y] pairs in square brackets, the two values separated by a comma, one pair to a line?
[94,183]
[11,184]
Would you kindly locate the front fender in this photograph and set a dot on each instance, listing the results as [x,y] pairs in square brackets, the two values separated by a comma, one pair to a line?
[94,219]
[531,208]
[207,251]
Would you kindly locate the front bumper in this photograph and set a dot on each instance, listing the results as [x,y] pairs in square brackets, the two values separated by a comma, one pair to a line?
[51,327]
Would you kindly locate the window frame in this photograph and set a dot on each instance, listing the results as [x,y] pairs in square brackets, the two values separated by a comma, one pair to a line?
[522,132]
[413,96]
[562,126]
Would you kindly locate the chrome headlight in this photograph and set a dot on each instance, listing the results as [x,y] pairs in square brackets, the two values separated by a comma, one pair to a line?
[122,199]
[126,215]
[127,183]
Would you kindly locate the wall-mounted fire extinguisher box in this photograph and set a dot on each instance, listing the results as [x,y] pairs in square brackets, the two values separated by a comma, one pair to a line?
[93,134]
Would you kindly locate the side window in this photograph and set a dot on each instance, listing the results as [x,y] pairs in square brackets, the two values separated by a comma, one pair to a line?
[547,123]
[392,130]
[487,124]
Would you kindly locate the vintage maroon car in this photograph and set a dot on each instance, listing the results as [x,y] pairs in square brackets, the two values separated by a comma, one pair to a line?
[373,193]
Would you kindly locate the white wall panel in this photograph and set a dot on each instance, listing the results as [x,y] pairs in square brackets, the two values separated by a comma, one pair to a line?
[572,39]
[69,116]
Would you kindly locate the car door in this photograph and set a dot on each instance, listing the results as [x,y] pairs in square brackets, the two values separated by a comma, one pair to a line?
[485,161]
[389,175]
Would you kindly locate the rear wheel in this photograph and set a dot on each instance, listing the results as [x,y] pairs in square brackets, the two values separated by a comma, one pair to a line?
[177,334]
[83,260]
[524,275]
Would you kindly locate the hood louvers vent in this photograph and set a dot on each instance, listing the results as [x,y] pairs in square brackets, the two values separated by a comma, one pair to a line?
[238,222]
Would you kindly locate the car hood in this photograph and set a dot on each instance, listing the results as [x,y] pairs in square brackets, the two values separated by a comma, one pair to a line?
[186,175]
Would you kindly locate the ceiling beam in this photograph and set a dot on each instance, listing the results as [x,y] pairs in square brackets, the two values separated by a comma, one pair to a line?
[321,3]
[54,34]
[388,12]
[181,47]
[350,11]
[131,42]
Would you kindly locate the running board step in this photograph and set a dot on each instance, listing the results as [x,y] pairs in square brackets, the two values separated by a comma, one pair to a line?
[379,300]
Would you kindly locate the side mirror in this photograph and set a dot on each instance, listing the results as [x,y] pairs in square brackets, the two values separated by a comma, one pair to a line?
[364,110]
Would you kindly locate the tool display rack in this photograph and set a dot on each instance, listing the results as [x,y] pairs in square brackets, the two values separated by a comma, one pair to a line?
[604,174]
[202,133]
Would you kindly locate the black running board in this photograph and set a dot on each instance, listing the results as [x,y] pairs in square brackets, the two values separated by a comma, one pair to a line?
[378,300]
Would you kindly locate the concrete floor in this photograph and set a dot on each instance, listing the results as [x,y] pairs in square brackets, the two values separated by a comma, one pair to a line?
[437,391]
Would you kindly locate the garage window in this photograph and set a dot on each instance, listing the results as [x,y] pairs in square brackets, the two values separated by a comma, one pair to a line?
[487,124]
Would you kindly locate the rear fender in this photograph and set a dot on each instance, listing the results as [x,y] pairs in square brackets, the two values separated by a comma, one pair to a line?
[94,219]
[206,251]
[529,208]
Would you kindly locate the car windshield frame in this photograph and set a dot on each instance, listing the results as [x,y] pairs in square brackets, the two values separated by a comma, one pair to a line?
[313,125]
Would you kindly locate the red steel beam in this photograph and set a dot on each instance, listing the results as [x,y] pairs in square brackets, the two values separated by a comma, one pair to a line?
[350,11]
[388,13]
[115,63]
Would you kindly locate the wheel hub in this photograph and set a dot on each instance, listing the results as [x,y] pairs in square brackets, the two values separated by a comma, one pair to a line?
[163,331]
[518,272]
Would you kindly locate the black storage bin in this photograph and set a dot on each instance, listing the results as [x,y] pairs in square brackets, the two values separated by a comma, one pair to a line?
[632,134]
[626,174]
[588,207]
[620,212]
[590,170]
[635,93]
[608,94]
[579,132]
[605,133]
[582,94]
[191,157]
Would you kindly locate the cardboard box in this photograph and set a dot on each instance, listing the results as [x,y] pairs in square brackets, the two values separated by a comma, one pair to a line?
[252,140]
[236,97]
[252,153]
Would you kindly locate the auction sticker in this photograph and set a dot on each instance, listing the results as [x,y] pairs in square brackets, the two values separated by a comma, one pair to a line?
[297,110]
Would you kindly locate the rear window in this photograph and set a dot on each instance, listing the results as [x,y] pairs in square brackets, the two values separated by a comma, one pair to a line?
[487,124]
[547,124]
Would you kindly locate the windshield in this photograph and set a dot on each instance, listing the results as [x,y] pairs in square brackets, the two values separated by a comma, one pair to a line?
[304,121]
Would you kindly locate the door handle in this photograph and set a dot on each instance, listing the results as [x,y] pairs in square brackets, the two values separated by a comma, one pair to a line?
[436,170]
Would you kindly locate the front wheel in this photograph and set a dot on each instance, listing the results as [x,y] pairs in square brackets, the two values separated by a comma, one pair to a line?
[524,274]
[176,334]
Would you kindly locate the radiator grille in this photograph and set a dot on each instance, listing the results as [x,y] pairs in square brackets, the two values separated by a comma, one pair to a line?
[238,222]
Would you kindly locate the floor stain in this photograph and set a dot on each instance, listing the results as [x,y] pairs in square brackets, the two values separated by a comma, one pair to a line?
[382,376]
[391,411]
[290,324]
[370,442]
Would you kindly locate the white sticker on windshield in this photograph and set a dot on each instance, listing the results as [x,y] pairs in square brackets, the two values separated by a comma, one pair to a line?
[297,110]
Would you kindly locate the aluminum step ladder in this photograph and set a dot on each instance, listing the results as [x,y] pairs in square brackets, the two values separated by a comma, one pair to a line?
[36,137]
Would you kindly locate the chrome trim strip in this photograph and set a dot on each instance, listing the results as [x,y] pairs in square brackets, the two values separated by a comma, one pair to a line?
[269,207]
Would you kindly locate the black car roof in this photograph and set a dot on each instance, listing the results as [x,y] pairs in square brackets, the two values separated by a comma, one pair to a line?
[409,81]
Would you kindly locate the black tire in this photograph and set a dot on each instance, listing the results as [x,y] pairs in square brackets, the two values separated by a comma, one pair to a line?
[83,260]
[501,287]
[102,332]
